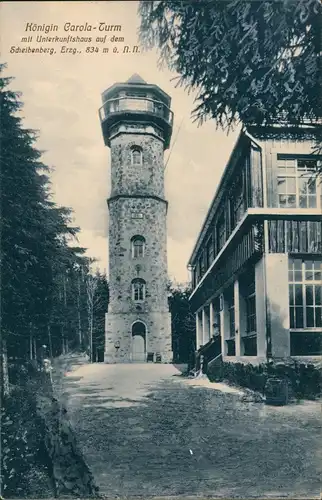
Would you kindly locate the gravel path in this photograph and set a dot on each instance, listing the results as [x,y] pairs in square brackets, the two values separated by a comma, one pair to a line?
[147,431]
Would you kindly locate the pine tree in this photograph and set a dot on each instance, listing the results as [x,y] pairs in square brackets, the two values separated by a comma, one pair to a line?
[183,323]
[43,292]
[254,61]
[25,269]
[100,309]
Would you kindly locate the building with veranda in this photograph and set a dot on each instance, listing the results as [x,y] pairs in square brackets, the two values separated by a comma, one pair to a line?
[256,264]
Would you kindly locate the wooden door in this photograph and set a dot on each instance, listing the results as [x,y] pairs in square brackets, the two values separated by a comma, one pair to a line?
[138,349]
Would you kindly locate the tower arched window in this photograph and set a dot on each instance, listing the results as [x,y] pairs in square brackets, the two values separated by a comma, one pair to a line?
[137,247]
[136,155]
[138,290]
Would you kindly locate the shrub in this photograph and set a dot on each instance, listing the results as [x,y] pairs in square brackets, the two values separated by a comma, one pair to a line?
[304,380]
[21,442]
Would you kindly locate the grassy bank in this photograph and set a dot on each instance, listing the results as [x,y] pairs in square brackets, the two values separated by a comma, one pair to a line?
[26,469]
[40,456]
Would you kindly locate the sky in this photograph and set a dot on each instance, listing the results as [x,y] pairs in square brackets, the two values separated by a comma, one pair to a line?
[62,94]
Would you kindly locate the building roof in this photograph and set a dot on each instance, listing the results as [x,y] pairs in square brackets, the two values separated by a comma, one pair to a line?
[136,79]
[215,201]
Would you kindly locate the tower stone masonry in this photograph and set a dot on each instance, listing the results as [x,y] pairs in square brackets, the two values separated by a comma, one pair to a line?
[137,124]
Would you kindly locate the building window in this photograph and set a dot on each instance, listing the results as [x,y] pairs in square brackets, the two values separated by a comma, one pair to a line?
[194,278]
[209,253]
[138,290]
[134,101]
[216,318]
[251,314]
[305,293]
[249,331]
[237,201]
[136,155]
[221,231]
[214,242]
[202,264]
[158,108]
[250,346]
[231,311]
[198,271]
[138,247]
[306,343]
[114,105]
[230,341]
[135,94]
[250,299]
[299,185]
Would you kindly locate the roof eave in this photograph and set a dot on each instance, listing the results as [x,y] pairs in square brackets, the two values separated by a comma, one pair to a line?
[125,85]
[209,215]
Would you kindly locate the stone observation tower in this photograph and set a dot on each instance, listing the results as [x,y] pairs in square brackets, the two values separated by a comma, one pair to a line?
[137,124]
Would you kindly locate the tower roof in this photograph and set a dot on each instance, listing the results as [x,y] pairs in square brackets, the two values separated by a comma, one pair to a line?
[135,79]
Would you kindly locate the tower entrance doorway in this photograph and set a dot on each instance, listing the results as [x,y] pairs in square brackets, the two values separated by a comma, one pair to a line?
[138,342]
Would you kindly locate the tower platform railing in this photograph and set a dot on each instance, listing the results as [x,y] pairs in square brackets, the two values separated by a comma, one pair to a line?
[135,104]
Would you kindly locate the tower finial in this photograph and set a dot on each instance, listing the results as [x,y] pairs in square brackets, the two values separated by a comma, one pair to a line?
[136,79]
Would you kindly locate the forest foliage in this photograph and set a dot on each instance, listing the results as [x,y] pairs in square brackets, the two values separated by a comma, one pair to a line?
[45,274]
[183,323]
[249,61]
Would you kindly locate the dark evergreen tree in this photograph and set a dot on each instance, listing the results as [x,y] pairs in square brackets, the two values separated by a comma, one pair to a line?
[43,277]
[254,61]
[25,268]
[183,324]
[100,309]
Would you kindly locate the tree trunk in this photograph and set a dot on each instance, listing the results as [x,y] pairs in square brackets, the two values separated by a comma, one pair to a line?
[66,322]
[91,339]
[4,369]
[91,286]
[80,339]
[65,292]
[63,340]
[35,348]
[50,342]
[30,345]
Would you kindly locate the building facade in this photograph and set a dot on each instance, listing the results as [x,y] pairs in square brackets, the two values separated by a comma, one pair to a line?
[256,265]
[137,124]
